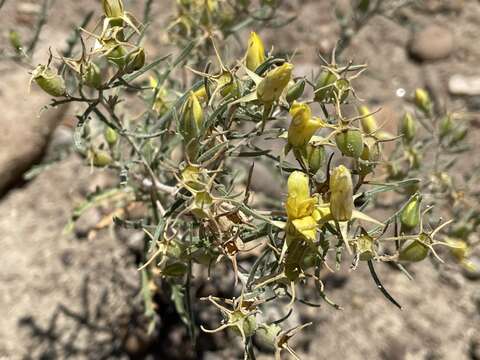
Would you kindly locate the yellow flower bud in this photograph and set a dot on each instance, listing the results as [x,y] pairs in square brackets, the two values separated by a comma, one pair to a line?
[410,215]
[369,124]
[273,84]
[299,203]
[408,128]
[302,126]
[49,81]
[113,8]
[341,194]
[201,94]
[422,100]
[255,52]
[350,142]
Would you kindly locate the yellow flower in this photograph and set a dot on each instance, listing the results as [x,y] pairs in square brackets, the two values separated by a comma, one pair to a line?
[255,52]
[341,194]
[273,84]
[303,126]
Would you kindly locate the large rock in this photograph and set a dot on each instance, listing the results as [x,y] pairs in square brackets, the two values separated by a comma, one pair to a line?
[434,42]
[25,130]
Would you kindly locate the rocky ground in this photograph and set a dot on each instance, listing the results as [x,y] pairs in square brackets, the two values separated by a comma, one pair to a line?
[71,296]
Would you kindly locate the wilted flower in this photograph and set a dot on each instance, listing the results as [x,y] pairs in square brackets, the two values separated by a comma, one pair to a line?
[303,126]
[341,194]
[273,84]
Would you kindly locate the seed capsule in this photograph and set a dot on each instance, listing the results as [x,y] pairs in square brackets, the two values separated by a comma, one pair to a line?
[113,8]
[302,126]
[316,157]
[422,100]
[369,124]
[117,55]
[273,84]
[295,91]
[350,142]
[111,136]
[341,194]
[410,215]
[101,158]
[413,251]
[255,52]
[49,81]
[135,60]
[92,76]
[324,92]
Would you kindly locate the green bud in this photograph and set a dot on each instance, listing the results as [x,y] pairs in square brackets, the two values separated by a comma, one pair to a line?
[113,8]
[117,55]
[408,128]
[295,91]
[410,215]
[266,336]
[15,40]
[422,100]
[446,125]
[413,251]
[458,135]
[49,81]
[365,246]
[341,194]
[111,136]
[315,157]
[135,60]
[370,155]
[350,142]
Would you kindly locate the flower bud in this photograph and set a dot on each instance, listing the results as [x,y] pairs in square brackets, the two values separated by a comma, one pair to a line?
[369,124]
[15,40]
[422,100]
[446,125]
[273,84]
[315,157]
[413,251]
[113,8]
[111,136]
[135,60]
[341,194]
[370,154]
[49,81]
[266,336]
[350,142]
[116,54]
[255,52]
[192,118]
[410,215]
[175,269]
[92,76]
[302,126]
[408,128]
[295,91]
[365,246]
[324,92]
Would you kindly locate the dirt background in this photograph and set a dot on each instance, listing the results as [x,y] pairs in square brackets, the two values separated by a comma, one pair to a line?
[76,296]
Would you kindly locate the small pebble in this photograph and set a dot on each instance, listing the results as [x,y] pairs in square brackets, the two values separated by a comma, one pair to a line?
[432,43]
[464,85]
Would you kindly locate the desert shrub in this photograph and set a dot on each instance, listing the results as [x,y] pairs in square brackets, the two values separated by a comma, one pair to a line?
[188,157]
